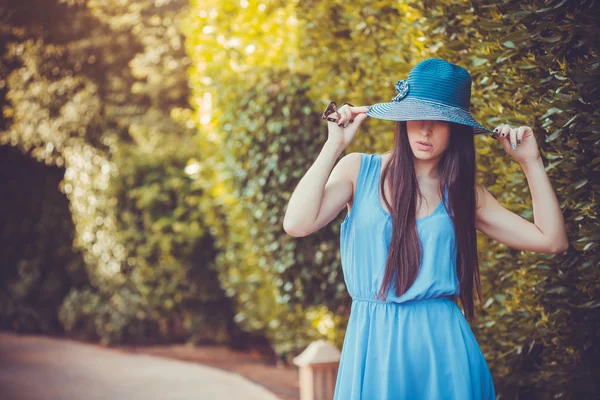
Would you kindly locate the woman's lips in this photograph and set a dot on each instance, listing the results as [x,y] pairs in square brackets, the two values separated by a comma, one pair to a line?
[424,147]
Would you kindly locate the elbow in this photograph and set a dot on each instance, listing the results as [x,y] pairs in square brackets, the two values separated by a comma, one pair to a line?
[559,247]
[291,230]
[293,233]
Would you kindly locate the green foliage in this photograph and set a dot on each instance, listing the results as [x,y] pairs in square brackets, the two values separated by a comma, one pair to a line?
[99,90]
[173,227]
[282,278]
[38,264]
[115,318]
[153,281]
[260,117]
[264,118]
[530,66]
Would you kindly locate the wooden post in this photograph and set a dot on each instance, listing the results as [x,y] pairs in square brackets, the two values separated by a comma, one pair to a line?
[318,370]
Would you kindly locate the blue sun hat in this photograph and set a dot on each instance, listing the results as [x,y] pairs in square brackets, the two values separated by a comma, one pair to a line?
[435,90]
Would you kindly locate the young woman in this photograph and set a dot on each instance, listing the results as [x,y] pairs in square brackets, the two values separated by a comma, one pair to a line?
[408,242]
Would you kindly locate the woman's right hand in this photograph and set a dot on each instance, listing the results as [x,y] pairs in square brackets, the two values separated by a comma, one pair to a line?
[342,136]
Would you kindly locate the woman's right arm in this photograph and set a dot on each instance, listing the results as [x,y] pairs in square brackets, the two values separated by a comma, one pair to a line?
[321,193]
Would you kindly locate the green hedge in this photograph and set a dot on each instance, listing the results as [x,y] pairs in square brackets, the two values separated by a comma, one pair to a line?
[535,64]
[162,285]
[38,263]
[175,230]
[531,64]
[98,89]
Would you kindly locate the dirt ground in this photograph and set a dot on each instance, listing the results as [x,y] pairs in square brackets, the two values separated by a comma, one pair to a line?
[281,380]
[36,367]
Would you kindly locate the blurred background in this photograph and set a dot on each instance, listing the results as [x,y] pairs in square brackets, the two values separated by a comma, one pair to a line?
[148,149]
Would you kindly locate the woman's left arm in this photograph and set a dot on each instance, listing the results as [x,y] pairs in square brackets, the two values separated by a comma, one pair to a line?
[547,234]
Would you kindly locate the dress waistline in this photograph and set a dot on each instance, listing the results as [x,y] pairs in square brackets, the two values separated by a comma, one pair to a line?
[369,300]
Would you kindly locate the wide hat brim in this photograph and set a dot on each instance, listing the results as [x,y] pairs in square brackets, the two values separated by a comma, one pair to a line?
[413,108]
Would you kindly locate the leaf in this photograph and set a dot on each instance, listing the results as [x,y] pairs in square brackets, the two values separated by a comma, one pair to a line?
[554,135]
[558,290]
[528,66]
[579,184]
[570,120]
[590,304]
[551,166]
[551,39]
[592,237]
[542,10]
[521,14]
[476,61]
[551,111]
[488,302]
[527,214]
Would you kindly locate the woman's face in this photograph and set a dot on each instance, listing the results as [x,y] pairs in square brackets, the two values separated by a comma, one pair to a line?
[434,133]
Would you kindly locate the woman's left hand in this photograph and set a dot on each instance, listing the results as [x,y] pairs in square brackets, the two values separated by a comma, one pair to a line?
[519,142]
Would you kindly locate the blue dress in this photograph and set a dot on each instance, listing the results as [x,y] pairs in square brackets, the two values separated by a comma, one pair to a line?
[418,346]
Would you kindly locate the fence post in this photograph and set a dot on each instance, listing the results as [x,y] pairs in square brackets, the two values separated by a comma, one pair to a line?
[318,370]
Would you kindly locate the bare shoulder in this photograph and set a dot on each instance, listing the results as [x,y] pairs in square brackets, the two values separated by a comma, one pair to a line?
[483,200]
[350,160]
[480,195]
[348,166]
[487,206]
[347,169]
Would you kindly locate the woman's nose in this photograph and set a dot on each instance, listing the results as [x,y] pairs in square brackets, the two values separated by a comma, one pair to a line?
[426,128]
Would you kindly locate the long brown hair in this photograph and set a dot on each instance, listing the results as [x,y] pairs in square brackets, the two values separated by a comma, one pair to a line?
[457,171]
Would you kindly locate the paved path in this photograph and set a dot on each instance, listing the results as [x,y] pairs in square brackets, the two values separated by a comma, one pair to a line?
[42,368]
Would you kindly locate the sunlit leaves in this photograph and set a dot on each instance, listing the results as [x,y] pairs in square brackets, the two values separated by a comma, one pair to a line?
[529,67]
[532,66]
[107,102]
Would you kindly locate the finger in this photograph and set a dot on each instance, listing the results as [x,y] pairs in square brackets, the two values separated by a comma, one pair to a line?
[504,131]
[360,117]
[358,110]
[495,133]
[337,116]
[513,138]
[333,117]
[520,133]
[344,115]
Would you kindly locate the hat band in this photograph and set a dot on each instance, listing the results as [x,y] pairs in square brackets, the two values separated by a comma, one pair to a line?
[437,103]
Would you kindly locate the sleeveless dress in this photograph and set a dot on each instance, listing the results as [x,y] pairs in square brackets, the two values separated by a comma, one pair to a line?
[418,346]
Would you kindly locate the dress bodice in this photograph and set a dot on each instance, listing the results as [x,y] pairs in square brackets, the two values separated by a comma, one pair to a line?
[365,238]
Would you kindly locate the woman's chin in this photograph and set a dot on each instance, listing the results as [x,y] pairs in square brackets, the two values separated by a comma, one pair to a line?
[423,155]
